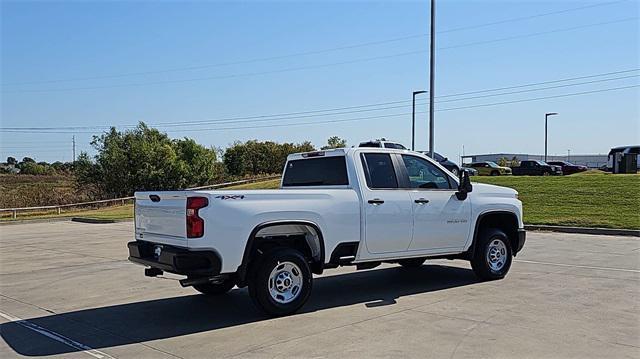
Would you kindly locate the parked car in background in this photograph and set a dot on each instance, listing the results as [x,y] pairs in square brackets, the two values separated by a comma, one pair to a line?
[568,167]
[470,171]
[488,168]
[536,168]
[382,143]
[444,161]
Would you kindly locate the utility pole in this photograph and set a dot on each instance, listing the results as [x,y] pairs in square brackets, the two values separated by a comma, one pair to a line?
[73,139]
[413,120]
[568,155]
[432,66]
[546,116]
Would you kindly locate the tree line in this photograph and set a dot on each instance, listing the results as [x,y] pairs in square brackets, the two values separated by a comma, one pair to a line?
[144,158]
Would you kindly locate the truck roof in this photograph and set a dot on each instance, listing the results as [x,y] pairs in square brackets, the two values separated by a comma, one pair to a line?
[344,152]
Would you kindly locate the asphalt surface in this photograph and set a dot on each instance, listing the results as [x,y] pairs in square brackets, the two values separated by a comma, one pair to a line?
[66,289]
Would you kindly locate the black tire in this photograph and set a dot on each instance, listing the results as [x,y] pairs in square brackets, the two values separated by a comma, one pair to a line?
[259,282]
[215,288]
[481,262]
[411,262]
[456,172]
[495,173]
[545,173]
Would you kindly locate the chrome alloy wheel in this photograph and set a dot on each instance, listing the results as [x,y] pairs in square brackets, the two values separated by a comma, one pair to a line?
[285,282]
[496,255]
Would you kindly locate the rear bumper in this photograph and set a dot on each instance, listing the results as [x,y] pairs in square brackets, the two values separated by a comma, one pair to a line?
[522,237]
[174,259]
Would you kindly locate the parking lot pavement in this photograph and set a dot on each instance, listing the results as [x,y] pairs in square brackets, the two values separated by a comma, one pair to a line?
[67,289]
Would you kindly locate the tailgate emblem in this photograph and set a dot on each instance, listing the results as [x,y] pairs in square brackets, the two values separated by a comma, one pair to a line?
[230,196]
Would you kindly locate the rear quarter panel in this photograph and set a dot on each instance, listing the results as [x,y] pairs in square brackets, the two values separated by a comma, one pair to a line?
[232,215]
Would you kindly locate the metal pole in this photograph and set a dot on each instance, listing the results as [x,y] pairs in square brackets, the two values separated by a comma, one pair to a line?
[432,65]
[546,117]
[413,120]
[545,136]
[413,123]
[74,148]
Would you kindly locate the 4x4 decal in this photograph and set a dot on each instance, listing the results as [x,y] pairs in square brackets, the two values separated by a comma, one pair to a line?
[230,196]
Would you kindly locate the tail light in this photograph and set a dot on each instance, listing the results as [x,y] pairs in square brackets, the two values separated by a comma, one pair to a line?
[195,224]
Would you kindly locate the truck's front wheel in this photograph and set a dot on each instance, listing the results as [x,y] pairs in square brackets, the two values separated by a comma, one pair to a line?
[492,256]
[281,282]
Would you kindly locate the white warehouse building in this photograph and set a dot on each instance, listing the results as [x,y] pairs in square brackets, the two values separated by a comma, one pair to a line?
[591,161]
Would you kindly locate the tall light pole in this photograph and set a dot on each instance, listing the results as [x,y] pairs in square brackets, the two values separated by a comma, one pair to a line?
[546,117]
[413,120]
[432,66]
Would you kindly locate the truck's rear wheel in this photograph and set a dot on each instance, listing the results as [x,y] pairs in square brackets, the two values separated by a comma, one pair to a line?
[492,256]
[411,262]
[281,282]
[215,288]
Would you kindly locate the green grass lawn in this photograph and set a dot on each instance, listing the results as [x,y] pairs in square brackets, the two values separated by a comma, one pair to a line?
[591,199]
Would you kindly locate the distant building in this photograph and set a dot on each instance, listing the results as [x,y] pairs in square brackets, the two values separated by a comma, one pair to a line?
[8,168]
[591,161]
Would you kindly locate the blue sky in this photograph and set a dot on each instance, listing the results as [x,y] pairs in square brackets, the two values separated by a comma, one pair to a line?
[73,64]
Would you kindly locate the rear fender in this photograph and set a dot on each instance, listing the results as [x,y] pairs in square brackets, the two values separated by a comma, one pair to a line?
[312,235]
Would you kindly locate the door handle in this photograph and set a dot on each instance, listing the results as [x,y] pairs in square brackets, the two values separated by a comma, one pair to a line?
[421,201]
[376,201]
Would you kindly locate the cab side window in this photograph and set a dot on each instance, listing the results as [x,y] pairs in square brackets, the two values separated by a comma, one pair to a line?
[424,174]
[379,171]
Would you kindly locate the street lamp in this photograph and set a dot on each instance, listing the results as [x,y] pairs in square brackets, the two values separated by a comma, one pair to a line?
[413,120]
[546,116]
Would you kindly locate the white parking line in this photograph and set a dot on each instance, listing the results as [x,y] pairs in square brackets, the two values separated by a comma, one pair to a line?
[579,266]
[55,336]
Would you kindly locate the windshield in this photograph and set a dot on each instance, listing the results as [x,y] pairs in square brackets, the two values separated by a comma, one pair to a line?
[492,164]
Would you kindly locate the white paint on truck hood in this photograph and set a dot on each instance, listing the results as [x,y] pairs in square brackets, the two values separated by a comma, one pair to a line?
[483,189]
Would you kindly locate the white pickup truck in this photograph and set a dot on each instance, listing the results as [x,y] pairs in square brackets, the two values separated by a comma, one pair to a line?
[356,206]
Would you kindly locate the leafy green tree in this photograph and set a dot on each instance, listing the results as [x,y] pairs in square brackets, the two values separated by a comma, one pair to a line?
[32,168]
[145,159]
[334,142]
[254,157]
[12,161]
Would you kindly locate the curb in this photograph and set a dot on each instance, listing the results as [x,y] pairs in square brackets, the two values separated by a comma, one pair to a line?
[62,219]
[33,221]
[92,220]
[584,230]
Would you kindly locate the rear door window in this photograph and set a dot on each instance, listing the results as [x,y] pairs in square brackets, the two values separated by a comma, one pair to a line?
[379,171]
[322,171]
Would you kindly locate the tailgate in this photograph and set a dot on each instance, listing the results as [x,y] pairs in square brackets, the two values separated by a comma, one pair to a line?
[161,217]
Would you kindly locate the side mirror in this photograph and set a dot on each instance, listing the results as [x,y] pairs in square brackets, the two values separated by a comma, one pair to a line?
[465,186]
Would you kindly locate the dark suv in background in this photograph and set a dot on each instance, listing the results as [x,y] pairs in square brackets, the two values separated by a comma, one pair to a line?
[536,168]
[444,161]
[567,167]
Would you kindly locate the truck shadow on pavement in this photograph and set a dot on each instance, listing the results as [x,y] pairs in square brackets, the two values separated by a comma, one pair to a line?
[140,322]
